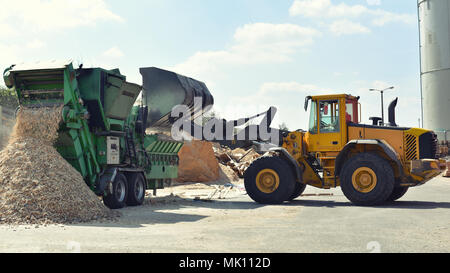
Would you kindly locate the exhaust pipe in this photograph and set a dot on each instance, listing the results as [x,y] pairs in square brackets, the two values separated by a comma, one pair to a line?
[392,113]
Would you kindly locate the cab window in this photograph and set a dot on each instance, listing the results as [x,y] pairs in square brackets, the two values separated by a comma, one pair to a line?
[329,116]
[313,118]
[351,111]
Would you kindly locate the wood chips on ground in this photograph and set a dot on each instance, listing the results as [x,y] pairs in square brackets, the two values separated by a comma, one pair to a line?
[37,185]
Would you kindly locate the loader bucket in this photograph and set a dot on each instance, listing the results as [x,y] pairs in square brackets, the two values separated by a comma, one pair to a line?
[163,90]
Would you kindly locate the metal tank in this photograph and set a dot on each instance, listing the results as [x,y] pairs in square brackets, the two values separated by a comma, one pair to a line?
[434,24]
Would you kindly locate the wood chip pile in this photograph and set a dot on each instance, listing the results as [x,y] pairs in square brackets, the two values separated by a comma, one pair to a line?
[37,185]
[197,163]
[238,159]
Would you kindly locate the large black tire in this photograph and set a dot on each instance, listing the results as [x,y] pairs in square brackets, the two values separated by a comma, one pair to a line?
[268,170]
[117,199]
[398,193]
[299,189]
[136,189]
[367,179]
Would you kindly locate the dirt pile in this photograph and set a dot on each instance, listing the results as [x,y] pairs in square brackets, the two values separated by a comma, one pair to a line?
[227,174]
[237,160]
[197,162]
[202,162]
[37,185]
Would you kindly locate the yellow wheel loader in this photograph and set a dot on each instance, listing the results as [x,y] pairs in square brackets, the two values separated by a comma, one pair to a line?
[372,164]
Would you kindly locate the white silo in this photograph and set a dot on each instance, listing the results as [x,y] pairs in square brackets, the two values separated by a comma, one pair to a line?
[434,24]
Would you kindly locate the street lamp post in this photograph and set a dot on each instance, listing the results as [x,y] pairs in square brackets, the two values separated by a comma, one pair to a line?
[382,102]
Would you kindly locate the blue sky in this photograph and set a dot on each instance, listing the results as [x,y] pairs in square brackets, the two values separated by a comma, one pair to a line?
[251,53]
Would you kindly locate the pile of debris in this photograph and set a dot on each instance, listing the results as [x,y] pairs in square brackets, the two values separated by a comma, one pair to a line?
[197,162]
[443,149]
[238,159]
[37,186]
[206,162]
[447,172]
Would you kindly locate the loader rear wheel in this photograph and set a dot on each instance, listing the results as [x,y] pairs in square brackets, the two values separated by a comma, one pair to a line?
[269,180]
[367,179]
[117,198]
[136,189]
[299,189]
[398,193]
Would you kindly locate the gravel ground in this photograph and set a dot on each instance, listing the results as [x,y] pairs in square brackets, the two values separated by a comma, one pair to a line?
[175,222]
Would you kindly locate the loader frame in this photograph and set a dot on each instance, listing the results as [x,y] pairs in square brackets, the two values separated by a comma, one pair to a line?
[321,153]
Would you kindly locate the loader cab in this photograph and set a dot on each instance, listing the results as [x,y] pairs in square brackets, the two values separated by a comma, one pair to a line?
[328,119]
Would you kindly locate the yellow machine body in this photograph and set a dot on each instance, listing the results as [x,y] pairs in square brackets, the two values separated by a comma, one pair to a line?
[337,136]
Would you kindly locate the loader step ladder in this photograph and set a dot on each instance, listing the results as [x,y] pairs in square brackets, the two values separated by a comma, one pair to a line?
[328,164]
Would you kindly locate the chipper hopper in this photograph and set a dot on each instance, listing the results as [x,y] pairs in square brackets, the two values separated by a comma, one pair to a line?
[103,133]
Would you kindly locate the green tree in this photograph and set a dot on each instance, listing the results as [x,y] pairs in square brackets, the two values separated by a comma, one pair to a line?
[8,98]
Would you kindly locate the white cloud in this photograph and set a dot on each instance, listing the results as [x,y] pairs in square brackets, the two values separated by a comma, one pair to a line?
[22,20]
[262,42]
[8,56]
[326,9]
[51,15]
[6,30]
[321,8]
[309,8]
[373,2]
[287,97]
[384,17]
[344,10]
[257,43]
[380,85]
[346,27]
[36,44]
[113,52]
[269,88]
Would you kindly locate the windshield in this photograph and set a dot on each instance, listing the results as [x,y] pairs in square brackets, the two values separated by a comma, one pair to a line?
[329,116]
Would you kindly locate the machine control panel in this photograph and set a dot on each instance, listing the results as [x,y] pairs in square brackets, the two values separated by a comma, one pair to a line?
[113,150]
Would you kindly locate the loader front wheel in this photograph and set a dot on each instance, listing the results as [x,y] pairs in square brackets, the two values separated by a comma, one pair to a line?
[397,193]
[116,199]
[269,180]
[299,189]
[136,189]
[367,179]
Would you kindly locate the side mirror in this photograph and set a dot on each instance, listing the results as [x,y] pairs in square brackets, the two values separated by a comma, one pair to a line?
[307,99]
